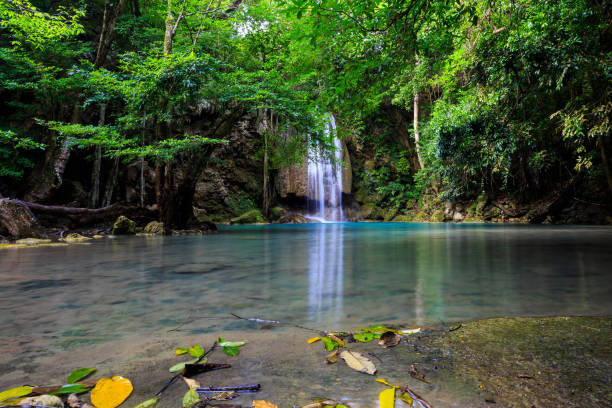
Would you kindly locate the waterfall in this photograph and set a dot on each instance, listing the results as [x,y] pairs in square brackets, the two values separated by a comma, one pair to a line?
[324,190]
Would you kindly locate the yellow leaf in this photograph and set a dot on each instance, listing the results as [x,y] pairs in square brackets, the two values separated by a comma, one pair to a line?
[382,381]
[404,396]
[263,404]
[386,398]
[314,339]
[111,392]
[14,393]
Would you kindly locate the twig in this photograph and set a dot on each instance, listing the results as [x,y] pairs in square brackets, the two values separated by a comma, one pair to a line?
[252,319]
[169,383]
[452,329]
[248,387]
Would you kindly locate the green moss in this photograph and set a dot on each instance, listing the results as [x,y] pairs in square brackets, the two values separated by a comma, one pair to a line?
[403,218]
[276,213]
[124,226]
[437,215]
[249,217]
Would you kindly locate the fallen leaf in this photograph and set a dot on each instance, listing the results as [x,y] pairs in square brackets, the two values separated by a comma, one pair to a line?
[224,343]
[263,404]
[224,396]
[389,339]
[386,398]
[79,374]
[231,351]
[15,393]
[336,339]
[409,331]
[313,339]
[150,403]
[43,401]
[358,362]
[181,350]
[191,383]
[196,351]
[71,389]
[405,397]
[364,337]
[383,381]
[190,399]
[180,366]
[415,373]
[332,357]
[111,392]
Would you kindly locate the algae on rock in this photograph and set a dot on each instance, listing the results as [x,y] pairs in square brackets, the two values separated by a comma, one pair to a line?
[124,226]
[249,217]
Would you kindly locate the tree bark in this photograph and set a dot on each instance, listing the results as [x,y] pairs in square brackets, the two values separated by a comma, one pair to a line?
[604,159]
[95,173]
[110,183]
[108,30]
[417,134]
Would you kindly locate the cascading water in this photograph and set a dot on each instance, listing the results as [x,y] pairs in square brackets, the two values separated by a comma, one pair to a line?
[324,191]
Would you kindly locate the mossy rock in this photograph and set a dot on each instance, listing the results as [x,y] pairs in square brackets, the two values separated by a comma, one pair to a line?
[32,241]
[74,237]
[124,226]
[403,218]
[249,217]
[437,215]
[154,227]
[277,213]
[389,213]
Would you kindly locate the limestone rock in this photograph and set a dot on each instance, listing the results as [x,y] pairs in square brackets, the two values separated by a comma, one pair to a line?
[43,400]
[124,226]
[17,221]
[294,219]
[154,227]
[458,217]
[249,217]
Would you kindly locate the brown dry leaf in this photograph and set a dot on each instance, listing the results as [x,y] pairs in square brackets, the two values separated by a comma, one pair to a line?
[415,373]
[332,357]
[263,404]
[191,383]
[321,404]
[358,362]
[389,339]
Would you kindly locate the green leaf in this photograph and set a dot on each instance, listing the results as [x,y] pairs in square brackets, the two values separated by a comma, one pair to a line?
[71,389]
[224,343]
[231,351]
[364,337]
[181,350]
[196,351]
[179,367]
[79,374]
[329,343]
[15,393]
[150,403]
[190,399]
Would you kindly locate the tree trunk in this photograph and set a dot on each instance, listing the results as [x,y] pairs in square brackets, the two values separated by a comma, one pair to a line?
[50,176]
[108,30]
[417,135]
[177,195]
[604,160]
[110,183]
[95,173]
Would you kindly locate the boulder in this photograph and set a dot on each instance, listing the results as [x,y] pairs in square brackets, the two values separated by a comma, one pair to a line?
[154,227]
[457,217]
[249,217]
[124,226]
[17,221]
[277,213]
[294,219]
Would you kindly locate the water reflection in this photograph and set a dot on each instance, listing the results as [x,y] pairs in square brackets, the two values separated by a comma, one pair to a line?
[326,273]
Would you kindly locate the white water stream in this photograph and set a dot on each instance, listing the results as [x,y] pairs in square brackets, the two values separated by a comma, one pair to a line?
[324,192]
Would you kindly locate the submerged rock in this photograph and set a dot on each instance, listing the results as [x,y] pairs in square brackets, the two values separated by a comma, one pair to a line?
[32,241]
[249,217]
[124,226]
[154,227]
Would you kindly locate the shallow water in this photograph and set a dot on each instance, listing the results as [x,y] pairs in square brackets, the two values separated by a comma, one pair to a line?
[325,276]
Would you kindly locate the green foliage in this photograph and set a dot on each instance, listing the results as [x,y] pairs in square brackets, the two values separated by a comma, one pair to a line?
[12,161]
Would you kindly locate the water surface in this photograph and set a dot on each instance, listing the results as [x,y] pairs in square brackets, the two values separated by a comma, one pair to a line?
[325,276]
